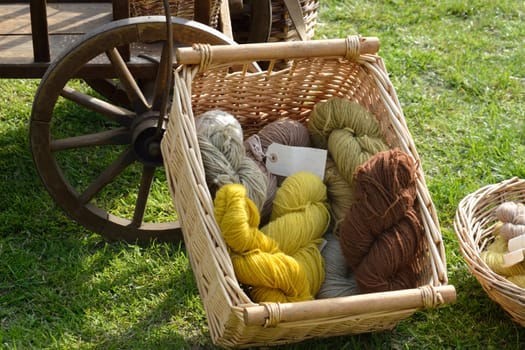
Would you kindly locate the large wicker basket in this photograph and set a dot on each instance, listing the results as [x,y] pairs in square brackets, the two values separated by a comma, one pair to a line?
[321,69]
[474,225]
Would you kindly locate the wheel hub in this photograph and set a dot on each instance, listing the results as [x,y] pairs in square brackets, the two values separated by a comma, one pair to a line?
[146,138]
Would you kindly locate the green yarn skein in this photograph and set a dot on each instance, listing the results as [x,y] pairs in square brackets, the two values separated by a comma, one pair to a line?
[349,132]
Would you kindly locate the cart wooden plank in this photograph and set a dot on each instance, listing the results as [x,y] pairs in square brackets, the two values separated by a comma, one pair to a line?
[67,22]
[63,18]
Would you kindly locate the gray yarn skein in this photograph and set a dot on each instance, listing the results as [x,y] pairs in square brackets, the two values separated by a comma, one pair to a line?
[224,156]
[338,282]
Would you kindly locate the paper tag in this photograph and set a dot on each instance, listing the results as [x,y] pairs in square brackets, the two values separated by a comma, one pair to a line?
[516,243]
[287,160]
[512,258]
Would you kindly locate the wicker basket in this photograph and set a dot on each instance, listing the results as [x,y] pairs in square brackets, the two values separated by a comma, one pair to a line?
[321,69]
[474,225]
[281,26]
[179,8]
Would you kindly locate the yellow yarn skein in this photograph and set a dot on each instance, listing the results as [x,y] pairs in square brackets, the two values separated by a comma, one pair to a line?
[238,219]
[280,262]
[518,280]
[493,257]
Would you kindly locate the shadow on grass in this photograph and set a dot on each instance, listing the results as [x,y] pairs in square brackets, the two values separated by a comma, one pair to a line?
[62,286]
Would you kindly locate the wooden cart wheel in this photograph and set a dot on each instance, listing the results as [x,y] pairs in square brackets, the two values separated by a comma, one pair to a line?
[100,161]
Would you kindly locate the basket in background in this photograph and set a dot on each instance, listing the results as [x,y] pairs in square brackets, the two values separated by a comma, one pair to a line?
[474,225]
[213,77]
[179,8]
[285,21]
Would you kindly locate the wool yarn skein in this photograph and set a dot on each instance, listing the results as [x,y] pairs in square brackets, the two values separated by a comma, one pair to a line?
[281,261]
[338,281]
[508,230]
[340,193]
[512,219]
[493,257]
[224,156]
[299,219]
[512,212]
[509,215]
[284,131]
[518,280]
[382,235]
[351,134]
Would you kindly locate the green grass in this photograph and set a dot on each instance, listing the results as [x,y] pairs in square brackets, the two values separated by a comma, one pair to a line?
[459,73]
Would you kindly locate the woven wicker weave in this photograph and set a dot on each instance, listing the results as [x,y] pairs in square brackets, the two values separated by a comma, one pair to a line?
[474,225]
[179,8]
[257,99]
[282,27]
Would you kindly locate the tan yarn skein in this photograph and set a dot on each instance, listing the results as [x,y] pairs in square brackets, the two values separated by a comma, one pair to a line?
[512,212]
[285,132]
[512,218]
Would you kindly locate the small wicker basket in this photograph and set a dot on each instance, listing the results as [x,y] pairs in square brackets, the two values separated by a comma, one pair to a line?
[320,69]
[474,225]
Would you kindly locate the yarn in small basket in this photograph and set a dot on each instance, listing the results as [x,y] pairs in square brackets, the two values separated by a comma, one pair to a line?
[477,227]
[500,255]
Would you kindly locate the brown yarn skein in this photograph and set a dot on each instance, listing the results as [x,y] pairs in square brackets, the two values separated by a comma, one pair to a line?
[381,235]
[285,132]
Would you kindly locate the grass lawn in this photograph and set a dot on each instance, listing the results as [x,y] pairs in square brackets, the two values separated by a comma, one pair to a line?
[459,72]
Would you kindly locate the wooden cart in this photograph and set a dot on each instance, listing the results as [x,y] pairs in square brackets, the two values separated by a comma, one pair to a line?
[111,74]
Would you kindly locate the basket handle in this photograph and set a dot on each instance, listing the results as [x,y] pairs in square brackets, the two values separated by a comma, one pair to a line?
[351,47]
[271,314]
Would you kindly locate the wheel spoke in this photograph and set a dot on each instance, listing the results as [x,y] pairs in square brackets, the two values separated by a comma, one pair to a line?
[142,198]
[110,137]
[112,171]
[162,80]
[118,114]
[110,89]
[135,95]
